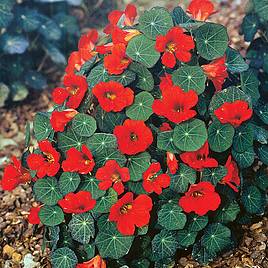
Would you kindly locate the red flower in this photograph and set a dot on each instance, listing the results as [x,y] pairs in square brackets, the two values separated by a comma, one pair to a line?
[165,127]
[87,43]
[117,61]
[96,262]
[201,9]
[200,199]
[76,161]
[232,178]
[175,44]
[166,83]
[112,174]
[133,137]
[77,202]
[199,159]
[112,96]
[46,163]
[176,105]
[33,217]
[75,88]
[120,36]
[59,120]
[234,113]
[14,174]
[172,163]
[114,17]
[75,62]
[128,213]
[153,181]
[216,71]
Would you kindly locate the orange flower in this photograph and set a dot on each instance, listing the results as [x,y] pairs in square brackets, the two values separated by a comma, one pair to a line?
[96,262]
[201,9]
[86,45]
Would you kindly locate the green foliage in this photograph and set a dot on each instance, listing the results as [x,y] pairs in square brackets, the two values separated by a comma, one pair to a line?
[51,215]
[64,258]
[68,182]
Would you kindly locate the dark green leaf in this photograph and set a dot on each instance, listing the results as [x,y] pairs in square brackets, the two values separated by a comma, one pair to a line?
[244,159]
[227,213]
[105,202]
[68,182]
[51,215]
[263,154]
[196,223]
[41,126]
[243,138]
[91,184]
[84,125]
[214,175]
[234,61]
[186,238]
[165,142]
[250,26]
[64,258]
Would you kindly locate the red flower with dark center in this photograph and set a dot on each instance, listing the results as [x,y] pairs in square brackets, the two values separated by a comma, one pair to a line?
[165,127]
[75,88]
[172,163]
[59,120]
[133,137]
[14,174]
[33,217]
[96,262]
[111,174]
[76,161]
[232,178]
[128,213]
[176,105]
[117,61]
[175,44]
[75,62]
[47,163]
[77,202]
[234,113]
[200,199]
[199,159]
[153,180]
[87,43]
[201,9]
[216,71]
[113,96]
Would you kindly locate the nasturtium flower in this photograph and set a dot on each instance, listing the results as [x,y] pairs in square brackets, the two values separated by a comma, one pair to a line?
[77,203]
[232,178]
[216,71]
[165,127]
[154,180]
[166,83]
[14,174]
[76,161]
[128,212]
[133,137]
[175,44]
[176,105]
[96,262]
[113,96]
[200,199]
[33,217]
[60,119]
[199,159]
[234,113]
[87,43]
[75,62]
[201,9]
[172,163]
[47,162]
[112,175]
[120,36]
[75,89]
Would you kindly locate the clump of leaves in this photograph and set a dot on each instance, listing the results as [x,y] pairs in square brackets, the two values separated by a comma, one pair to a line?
[32,33]
[151,147]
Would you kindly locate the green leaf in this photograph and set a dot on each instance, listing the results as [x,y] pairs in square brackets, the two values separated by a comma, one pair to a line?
[243,138]
[253,201]
[196,223]
[250,84]
[110,154]
[105,202]
[180,17]
[87,67]
[261,8]
[90,250]
[244,159]
[250,26]
[84,125]
[141,109]
[171,217]
[211,40]
[82,227]
[68,182]
[202,255]
[263,154]
[112,244]
[181,180]
[54,236]
[51,215]
[137,164]
[165,142]
[191,135]
[96,75]
[64,258]
[27,135]
[235,62]
[214,175]
[136,187]
[140,263]
[91,184]
[260,134]
[41,126]
[6,15]
[220,136]
[190,78]
[142,50]
[47,191]
[156,21]
[186,238]
[126,78]
[262,179]
[164,245]
[262,112]
[227,213]
[35,80]
[145,80]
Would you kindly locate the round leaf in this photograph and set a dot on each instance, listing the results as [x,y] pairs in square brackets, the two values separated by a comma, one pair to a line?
[228,213]
[244,159]
[68,182]
[263,154]
[105,202]
[243,138]
[196,223]
[126,78]
[41,126]
[91,184]
[96,75]
[51,215]
[165,142]
[235,62]
[250,26]
[84,125]
[214,175]
[64,258]
[110,154]
[186,238]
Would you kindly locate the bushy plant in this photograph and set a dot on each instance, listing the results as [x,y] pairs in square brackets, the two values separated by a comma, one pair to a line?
[153,147]
[33,32]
